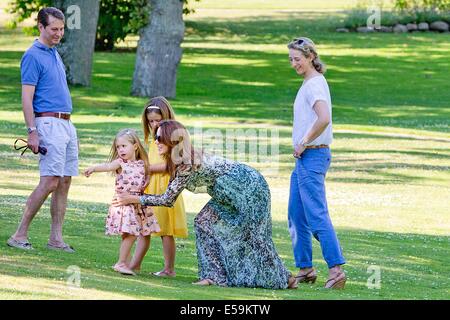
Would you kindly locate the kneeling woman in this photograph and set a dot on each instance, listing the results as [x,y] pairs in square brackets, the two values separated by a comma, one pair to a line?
[234,229]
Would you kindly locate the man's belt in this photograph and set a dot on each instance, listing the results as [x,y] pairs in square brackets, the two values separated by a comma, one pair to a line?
[60,115]
[317,146]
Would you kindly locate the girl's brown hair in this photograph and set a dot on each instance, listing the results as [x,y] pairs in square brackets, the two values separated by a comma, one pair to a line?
[307,47]
[140,153]
[181,152]
[158,105]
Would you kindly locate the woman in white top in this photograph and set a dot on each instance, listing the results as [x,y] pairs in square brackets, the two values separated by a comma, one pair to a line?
[312,134]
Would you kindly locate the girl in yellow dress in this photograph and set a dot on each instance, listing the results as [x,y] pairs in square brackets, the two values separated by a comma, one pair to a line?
[172,221]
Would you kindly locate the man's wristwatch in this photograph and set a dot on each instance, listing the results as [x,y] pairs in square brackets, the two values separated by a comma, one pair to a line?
[31,129]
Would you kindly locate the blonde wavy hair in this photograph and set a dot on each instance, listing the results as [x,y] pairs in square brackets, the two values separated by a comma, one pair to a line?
[131,136]
[307,47]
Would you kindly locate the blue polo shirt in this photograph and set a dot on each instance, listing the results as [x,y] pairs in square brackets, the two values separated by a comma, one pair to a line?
[43,68]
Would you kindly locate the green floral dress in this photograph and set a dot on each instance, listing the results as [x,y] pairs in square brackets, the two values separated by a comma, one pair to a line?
[234,229]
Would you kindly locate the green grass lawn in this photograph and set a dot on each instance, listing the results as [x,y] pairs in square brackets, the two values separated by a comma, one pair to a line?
[388,186]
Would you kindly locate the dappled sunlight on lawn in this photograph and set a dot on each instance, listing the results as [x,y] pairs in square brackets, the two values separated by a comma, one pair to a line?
[387,185]
[16,288]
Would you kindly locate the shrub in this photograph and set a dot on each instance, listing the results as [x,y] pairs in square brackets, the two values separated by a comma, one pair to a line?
[117,18]
[422,5]
[405,11]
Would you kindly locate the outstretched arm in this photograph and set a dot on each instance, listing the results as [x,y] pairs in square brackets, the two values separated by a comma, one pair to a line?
[104,167]
[167,199]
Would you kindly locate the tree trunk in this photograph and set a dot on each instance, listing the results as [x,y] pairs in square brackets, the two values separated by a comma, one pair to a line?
[159,51]
[77,47]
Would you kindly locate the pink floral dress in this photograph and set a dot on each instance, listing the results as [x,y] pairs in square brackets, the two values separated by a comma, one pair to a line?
[132,219]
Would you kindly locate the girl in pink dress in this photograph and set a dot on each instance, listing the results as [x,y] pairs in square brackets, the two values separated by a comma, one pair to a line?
[129,160]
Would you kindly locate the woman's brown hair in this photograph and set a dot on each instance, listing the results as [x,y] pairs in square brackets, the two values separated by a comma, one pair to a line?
[159,105]
[181,153]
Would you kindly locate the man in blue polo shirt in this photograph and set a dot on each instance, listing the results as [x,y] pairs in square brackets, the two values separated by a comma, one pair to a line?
[47,106]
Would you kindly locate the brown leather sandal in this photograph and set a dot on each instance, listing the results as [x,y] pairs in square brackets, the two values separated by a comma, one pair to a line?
[309,277]
[338,282]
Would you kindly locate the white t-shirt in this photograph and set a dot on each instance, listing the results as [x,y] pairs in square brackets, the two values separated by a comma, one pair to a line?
[309,93]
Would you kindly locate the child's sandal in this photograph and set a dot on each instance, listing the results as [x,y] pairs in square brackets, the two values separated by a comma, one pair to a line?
[122,269]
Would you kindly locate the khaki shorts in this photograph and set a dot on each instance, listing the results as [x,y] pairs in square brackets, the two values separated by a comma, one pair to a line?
[59,136]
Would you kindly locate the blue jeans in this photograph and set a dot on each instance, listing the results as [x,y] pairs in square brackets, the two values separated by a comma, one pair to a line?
[308,211]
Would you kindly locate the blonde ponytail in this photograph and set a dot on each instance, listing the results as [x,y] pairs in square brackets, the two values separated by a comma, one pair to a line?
[319,65]
[307,47]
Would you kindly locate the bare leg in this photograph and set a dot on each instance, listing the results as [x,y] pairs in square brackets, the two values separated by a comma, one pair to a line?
[129,258]
[336,278]
[125,247]
[46,186]
[304,271]
[334,271]
[169,250]
[141,249]
[58,210]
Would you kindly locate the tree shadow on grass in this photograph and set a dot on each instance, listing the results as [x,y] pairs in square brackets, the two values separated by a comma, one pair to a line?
[413,266]
[263,29]
[261,85]
[282,28]
[381,166]
[96,139]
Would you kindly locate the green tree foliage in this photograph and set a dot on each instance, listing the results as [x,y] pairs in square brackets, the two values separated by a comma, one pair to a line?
[423,5]
[405,11]
[23,9]
[117,19]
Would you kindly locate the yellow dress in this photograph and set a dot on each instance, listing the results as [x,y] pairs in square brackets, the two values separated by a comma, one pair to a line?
[172,221]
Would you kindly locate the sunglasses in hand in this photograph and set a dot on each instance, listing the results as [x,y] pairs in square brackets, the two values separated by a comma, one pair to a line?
[41,150]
